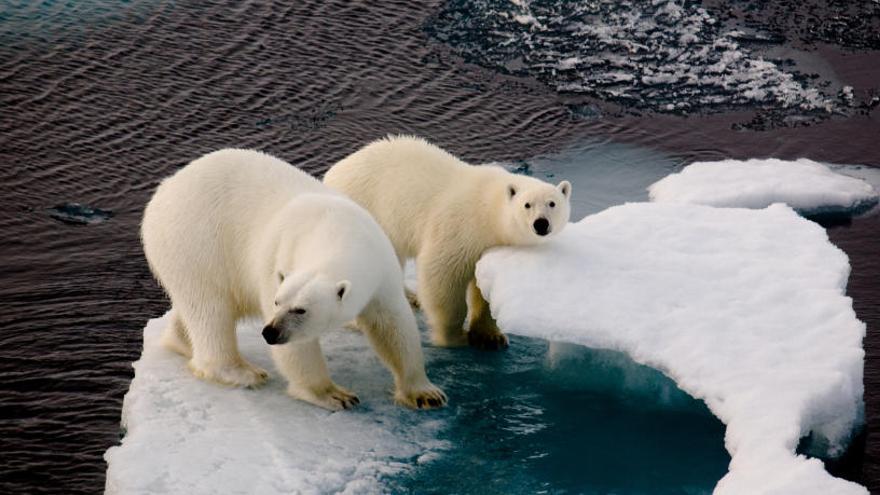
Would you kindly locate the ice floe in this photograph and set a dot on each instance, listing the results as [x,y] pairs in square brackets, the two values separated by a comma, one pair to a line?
[190,437]
[667,55]
[744,309]
[809,187]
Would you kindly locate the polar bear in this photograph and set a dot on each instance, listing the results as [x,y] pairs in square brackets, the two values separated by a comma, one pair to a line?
[445,214]
[238,233]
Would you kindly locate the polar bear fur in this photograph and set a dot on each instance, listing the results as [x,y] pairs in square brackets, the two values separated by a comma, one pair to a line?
[445,214]
[238,233]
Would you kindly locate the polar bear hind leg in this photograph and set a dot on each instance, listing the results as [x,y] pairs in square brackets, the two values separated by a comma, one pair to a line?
[174,337]
[443,297]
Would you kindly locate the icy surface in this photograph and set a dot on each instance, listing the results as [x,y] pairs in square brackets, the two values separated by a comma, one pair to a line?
[744,309]
[666,55]
[187,436]
[803,184]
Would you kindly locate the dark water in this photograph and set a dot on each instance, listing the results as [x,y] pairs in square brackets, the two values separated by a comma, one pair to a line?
[99,100]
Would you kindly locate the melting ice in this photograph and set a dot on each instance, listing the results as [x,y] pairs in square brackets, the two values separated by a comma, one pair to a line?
[666,55]
[807,186]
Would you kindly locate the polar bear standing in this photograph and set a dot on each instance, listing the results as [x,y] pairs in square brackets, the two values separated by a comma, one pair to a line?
[238,233]
[445,214]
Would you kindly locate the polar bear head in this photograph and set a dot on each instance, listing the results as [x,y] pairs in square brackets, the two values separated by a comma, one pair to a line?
[306,306]
[535,210]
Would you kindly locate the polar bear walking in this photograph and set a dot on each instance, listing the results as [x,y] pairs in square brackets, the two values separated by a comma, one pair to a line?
[445,214]
[238,233]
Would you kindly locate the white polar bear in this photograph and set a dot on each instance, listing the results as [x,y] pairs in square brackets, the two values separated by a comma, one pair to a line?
[238,233]
[446,213]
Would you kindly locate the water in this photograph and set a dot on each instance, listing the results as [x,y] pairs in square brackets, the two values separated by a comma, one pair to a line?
[665,55]
[99,100]
[558,418]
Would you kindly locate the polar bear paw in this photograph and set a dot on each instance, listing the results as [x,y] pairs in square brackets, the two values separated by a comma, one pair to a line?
[487,341]
[236,374]
[427,396]
[331,397]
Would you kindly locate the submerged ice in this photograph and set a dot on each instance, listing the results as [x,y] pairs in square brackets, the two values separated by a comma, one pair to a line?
[807,186]
[744,309]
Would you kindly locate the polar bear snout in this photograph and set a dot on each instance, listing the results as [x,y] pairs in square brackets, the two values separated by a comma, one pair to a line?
[272,335]
[541,226]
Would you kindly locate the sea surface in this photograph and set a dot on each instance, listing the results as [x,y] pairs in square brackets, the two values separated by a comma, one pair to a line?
[101,99]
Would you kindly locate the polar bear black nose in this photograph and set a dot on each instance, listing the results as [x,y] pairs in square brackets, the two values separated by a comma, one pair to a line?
[270,333]
[542,226]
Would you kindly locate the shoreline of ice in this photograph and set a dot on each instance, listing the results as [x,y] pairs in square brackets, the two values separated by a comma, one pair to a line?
[744,309]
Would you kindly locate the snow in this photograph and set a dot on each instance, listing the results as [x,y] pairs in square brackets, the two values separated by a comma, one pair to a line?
[188,436]
[744,309]
[803,184]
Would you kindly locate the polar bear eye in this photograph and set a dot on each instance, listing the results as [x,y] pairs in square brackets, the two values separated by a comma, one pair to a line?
[528,205]
[298,311]
[552,204]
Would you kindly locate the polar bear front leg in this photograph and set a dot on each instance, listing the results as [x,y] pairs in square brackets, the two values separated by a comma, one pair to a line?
[392,330]
[215,354]
[443,297]
[483,332]
[303,365]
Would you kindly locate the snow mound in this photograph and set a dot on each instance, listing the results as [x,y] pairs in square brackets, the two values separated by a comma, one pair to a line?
[803,184]
[187,436]
[744,309]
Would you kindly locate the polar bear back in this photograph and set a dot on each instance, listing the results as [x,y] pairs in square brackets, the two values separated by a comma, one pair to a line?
[409,185]
[206,217]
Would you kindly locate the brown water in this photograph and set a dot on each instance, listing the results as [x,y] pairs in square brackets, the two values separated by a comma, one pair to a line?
[96,105]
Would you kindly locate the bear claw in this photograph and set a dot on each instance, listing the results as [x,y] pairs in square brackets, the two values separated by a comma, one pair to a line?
[331,397]
[488,341]
[430,397]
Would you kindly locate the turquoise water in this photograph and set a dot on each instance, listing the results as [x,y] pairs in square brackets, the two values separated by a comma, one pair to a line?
[546,417]
[558,418]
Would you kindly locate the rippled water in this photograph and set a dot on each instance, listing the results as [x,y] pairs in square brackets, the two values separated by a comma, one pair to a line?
[100,99]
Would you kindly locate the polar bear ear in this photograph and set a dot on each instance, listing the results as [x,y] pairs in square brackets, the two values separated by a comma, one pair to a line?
[280,277]
[565,188]
[511,192]
[342,289]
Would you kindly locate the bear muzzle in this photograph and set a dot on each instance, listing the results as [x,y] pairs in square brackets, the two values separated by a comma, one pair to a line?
[541,226]
[272,335]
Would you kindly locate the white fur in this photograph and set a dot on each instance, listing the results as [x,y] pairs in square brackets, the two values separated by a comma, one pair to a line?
[446,213]
[222,233]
